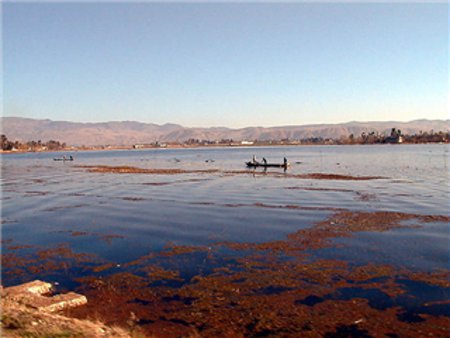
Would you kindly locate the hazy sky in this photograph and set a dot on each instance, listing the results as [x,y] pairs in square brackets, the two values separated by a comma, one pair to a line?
[232,65]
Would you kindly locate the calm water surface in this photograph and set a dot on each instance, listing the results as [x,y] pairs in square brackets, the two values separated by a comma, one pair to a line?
[43,201]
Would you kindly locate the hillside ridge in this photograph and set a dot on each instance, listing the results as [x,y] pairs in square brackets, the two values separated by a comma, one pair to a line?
[133,132]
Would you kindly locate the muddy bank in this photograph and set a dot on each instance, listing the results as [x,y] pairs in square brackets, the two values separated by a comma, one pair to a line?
[320,176]
[136,170]
[310,176]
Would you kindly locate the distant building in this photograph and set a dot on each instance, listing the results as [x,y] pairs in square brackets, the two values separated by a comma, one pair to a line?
[247,143]
[149,145]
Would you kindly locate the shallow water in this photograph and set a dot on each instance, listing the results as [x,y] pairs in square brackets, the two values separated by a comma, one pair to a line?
[41,198]
[121,217]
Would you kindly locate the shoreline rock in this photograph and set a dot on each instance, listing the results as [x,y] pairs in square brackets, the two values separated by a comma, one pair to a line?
[29,310]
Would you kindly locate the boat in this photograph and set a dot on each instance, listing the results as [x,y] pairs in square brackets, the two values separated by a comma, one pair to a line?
[70,158]
[251,164]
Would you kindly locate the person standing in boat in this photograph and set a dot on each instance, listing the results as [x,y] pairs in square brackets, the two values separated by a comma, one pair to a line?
[285,162]
[264,160]
[254,159]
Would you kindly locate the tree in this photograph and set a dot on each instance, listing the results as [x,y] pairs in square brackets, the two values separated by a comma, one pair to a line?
[5,143]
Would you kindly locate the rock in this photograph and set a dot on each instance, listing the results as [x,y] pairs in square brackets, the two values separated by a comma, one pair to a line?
[35,287]
[28,310]
[32,294]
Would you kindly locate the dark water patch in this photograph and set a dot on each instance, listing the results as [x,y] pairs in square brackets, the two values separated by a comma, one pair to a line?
[62,280]
[423,298]
[105,237]
[145,321]
[175,321]
[348,331]
[133,199]
[156,183]
[19,247]
[163,183]
[178,298]
[203,203]
[77,194]
[415,245]
[273,290]
[402,195]
[409,317]
[365,197]
[8,221]
[188,264]
[55,264]
[36,193]
[310,300]
[419,298]
[9,184]
[318,189]
[73,233]
[10,191]
[260,333]
[38,180]
[108,238]
[368,281]
[140,301]
[278,206]
[170,283]
[377,299]
[426,291]
[78,233]
[57,208]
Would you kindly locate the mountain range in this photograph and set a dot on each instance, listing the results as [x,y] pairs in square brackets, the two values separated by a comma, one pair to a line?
[130,132]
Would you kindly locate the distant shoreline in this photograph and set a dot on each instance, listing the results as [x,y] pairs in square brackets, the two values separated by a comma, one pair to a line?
[180,146]
[34,133]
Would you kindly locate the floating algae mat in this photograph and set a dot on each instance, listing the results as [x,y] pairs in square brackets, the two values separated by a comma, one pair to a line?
[352,241]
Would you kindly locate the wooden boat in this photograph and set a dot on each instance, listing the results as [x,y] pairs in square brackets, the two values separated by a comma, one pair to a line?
[266,165]
[63,159]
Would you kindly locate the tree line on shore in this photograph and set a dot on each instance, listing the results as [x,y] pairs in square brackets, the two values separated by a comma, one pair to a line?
[395,136]
[8,145]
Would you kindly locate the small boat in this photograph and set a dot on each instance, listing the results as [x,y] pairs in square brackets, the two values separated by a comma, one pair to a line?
[70,158]
[266,165]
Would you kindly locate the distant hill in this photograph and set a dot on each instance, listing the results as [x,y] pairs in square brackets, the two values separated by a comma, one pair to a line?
[129,132]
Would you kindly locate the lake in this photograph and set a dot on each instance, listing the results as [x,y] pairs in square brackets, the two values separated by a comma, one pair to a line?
[362,230]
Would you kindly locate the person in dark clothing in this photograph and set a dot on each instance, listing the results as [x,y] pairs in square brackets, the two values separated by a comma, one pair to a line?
[264,160]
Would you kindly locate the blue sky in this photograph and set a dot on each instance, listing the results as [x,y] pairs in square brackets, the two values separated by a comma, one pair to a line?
[219,64]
